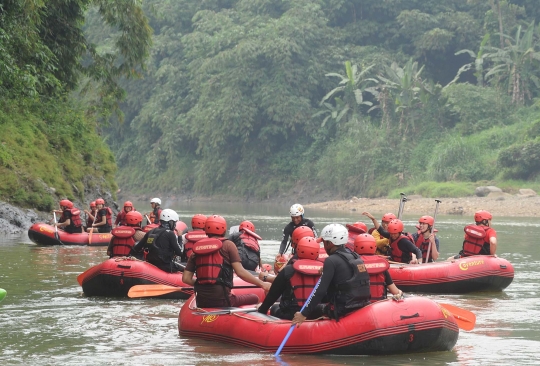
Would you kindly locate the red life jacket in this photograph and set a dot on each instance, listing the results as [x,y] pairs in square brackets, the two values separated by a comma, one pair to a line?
[423,244]
[192,237]
[122,241]
[211,269]
[249,239]
[75,220]
[89,221]
[322,255]
[155,215]
[108,216]
[376,266]
[305,277]
[396,253]
[121,218]
[475,242]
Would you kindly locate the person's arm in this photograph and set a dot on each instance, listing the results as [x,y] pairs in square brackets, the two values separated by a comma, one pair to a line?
[173,243]
[434,247]
[109,248]
[187,277]
[373,219]
[248,277]
[276,290]
[140,245]
[311,225]
[493,245]
[64,223]
[406,246]
[286,234]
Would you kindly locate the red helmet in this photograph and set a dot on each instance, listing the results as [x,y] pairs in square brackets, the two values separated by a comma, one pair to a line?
[246,225]
[100,201]
[93,204]
[482,215]
[216,225]
[299,233]
[427,219]
[365,244]
[198,221]
[388,217]
[308,248]
[134,218]
[357,227]
[395,226]
[266,267]
[66,203]
[128,204]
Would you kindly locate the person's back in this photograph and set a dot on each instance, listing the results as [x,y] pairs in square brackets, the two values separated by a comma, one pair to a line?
[161,244]
[197,233]
[247,244]
[479,239]
[124,237]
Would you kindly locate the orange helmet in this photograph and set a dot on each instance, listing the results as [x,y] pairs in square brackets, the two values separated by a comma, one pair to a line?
[357,227]
[66,203]
[395,226]
[198,221]
[388,217]
[482,215]
[246,225]
[308,248]
[134,218]
[216,225]
[365,244]
[92,204]
[427,219]
[299,233]
[100,201]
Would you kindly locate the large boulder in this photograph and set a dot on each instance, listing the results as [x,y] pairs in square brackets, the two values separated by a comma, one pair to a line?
[483,191]
[526,192]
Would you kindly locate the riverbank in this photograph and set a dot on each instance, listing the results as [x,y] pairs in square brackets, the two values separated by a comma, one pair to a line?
[497,205]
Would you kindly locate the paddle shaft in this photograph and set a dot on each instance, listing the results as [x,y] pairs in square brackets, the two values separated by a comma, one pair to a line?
[432,228]
[158,290]
[293,326]
[402,201]
[92,227]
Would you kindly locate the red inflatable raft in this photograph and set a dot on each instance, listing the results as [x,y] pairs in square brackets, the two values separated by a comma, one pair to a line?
[116,276]
[475,273]
[415,324]
[44,234]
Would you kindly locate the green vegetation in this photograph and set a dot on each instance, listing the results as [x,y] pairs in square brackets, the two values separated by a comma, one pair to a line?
[54,88]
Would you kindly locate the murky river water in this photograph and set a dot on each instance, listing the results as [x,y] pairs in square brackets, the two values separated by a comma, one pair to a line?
[46,319]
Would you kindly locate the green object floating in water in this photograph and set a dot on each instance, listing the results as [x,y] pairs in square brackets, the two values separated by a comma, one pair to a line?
[3,294]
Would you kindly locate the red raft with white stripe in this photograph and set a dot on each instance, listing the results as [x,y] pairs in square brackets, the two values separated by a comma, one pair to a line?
[115,276]
[416,324]
[44,234]
[475,273]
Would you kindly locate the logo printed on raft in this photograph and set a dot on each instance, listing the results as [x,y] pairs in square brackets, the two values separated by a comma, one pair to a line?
[465,265]
[46,229]
[209,318]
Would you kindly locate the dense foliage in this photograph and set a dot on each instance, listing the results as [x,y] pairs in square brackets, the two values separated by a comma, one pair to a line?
[49,145]
[359,97]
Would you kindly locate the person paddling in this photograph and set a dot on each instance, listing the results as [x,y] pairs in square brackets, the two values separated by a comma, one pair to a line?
[424,236]
[103,222]
[214,261]
[70,219]
[90,215]
[480,239]
[344,280]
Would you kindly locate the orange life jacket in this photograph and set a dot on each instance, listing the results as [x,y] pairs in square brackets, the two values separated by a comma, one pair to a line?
[305,277]
[475,242]
[396,254]
[210,267]
[376,266]
[122,241]
[423,244]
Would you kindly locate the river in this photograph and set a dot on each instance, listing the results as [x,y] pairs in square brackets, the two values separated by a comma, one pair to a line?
[47,320]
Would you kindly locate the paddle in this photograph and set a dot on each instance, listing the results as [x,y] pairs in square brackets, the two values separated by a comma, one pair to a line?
[465,319]
[293,326]
[225,311]
[56,235]
[158,290]
[432,229]
[91,231]
[402,201]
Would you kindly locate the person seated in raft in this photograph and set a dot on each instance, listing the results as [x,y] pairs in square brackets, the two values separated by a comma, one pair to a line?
[424,236]
[90,215]
[103,223]
[121,217]
[480,239]
[214,260]
[383,244]
[124,237]
[295,282]
[155,214]
[197,233]
[161,244]
[247,244]
[380,280]
[70,219]
[344,281]
[297,219]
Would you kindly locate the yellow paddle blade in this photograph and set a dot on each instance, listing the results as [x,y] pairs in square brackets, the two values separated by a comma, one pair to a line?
[154,290]
[465,319]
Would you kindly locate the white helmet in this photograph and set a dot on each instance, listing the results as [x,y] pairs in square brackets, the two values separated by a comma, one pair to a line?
[168,215]
[336,233]
[296,210]
[155,200]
